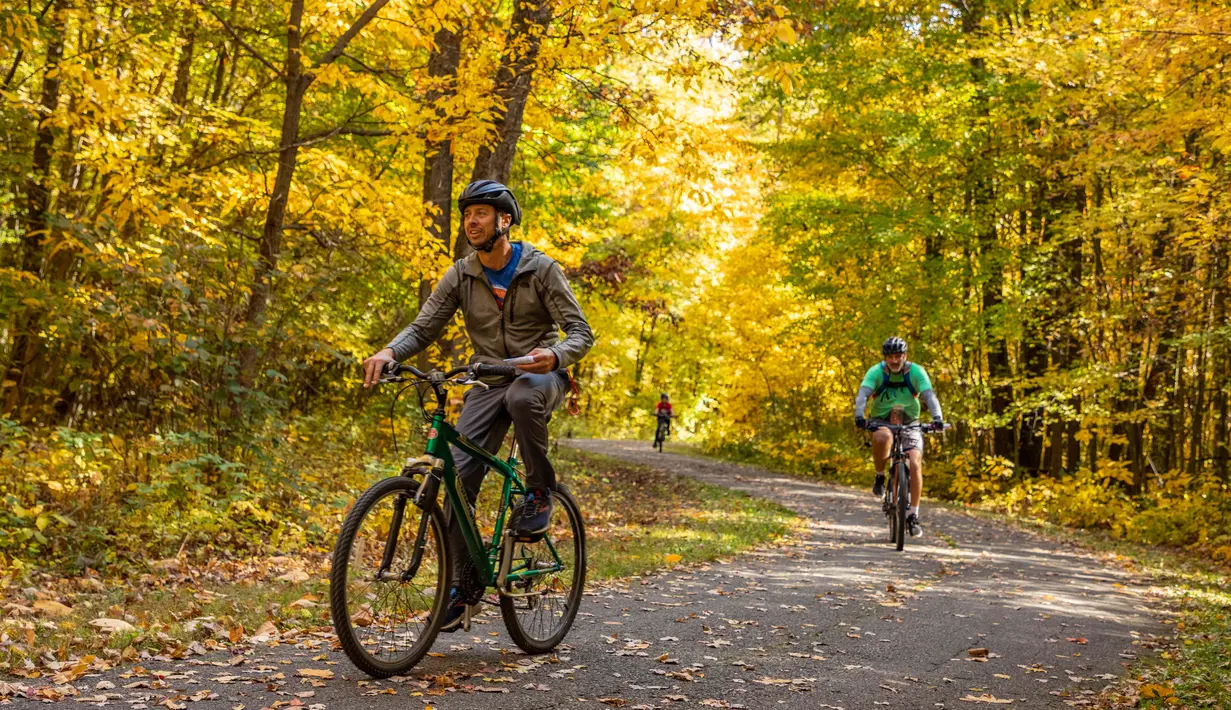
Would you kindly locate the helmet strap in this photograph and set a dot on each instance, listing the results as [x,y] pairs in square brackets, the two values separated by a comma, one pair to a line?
[487,246]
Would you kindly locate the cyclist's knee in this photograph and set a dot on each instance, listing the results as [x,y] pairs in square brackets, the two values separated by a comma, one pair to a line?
[881,436]
[525,400]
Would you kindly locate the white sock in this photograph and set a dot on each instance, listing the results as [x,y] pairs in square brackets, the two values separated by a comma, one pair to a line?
[880,473]
[913,510]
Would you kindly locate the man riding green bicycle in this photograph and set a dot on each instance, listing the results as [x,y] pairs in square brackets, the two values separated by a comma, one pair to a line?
[897,383]
[514,300]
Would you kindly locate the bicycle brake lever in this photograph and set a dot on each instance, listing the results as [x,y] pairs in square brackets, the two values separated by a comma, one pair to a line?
[480,383]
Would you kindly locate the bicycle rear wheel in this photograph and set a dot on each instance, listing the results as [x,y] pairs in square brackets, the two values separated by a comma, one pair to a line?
[540,620]
[385,597]
[901,474]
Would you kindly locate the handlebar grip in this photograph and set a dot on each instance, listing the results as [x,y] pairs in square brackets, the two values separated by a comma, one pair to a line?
[483,369]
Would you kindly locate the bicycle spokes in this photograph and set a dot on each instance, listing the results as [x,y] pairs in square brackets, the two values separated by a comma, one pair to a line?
[390,589]
[540,580]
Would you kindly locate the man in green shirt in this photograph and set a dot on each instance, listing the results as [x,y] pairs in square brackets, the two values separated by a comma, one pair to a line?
[897,383]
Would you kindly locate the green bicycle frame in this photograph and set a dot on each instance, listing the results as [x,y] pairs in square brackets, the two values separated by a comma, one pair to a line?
[439,439]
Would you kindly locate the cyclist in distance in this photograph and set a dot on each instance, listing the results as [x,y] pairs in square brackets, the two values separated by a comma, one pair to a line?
[514,301]
[662,411]
[663,408]
[897,382]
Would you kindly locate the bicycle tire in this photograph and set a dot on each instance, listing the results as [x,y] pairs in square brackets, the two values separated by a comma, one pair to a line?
[339,578]
[508,605]
[891,514]
[902,475]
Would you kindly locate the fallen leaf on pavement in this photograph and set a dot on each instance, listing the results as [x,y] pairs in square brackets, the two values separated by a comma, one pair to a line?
[987,698]
[1154,690]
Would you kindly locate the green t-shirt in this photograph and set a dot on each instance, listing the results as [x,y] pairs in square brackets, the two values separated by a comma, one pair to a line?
[881,406]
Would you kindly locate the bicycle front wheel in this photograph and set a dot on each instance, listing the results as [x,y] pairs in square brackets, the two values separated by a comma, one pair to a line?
[548,578]
[902,475]
[388,576]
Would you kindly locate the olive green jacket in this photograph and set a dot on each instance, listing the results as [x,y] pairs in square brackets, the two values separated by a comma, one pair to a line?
[538,304]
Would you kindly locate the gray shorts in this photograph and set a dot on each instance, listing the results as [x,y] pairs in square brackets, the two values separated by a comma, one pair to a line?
[912,440]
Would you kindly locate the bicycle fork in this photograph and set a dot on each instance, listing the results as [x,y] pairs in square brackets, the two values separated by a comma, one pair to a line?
[425,493]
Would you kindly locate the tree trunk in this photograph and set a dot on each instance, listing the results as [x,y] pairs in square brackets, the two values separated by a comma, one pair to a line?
[27,347]
[512,88]
[645,341]
[1040,322]
[1196,449]
[1220,356]
[271,234]
[183,69]
[525,37]
[982,207]
[1166,361]
[297,83]
[224,55]
[438,149]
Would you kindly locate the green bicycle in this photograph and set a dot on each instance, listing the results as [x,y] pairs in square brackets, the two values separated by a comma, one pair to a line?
[390,576]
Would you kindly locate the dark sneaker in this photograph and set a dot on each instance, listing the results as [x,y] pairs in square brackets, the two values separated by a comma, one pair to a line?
[878,488]
[533,515]
[913,526]
[454,612]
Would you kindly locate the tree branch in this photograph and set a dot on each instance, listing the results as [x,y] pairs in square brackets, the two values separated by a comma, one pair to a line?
[351,33]
[319,136]
[239,40]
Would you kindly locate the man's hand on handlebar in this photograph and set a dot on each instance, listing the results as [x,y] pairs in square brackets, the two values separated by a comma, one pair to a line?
[374,366]
[861,423]
[544,362]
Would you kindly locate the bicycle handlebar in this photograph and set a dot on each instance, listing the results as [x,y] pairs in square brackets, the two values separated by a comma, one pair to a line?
[928,428]
[474,371]
[481,369]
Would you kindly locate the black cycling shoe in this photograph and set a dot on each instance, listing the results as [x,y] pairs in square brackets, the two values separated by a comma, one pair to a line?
[454,613]
[913,526]
[878,488]
[534,514]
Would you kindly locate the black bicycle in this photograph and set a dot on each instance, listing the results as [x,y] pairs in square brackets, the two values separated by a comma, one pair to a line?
[389,584]
[663,430]
[897,493]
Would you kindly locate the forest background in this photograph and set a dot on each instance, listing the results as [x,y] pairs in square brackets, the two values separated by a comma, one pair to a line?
[212,210]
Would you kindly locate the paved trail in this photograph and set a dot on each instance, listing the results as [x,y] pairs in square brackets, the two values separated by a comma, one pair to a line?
[838,620]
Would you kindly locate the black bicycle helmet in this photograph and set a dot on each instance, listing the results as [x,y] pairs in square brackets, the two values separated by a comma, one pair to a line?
[893,346]
[490,192]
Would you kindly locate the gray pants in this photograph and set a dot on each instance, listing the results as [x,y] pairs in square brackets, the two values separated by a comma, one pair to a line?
[486,416]
[912,440]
